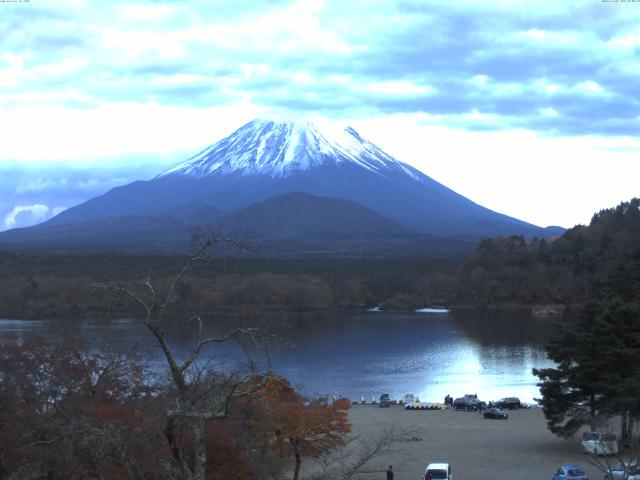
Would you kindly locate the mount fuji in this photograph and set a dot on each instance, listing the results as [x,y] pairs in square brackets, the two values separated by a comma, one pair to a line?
[345,182]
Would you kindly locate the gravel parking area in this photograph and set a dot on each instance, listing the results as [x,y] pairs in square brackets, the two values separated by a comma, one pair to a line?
[520,448]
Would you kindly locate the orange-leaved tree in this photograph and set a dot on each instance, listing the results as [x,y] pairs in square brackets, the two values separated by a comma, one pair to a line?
[299,427]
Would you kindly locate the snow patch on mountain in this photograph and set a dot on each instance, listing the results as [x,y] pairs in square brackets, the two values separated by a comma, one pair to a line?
[279,149]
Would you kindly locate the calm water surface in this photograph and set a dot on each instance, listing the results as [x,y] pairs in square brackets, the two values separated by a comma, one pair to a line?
[490,353]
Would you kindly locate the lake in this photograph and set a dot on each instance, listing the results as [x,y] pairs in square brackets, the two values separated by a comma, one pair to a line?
[488,352]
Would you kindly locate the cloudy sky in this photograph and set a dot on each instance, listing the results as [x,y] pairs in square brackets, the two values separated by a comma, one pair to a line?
[531,108]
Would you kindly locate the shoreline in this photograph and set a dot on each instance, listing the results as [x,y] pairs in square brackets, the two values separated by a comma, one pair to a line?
[537,311]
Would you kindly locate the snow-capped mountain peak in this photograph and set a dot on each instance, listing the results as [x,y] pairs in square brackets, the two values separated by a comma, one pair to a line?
[280,148]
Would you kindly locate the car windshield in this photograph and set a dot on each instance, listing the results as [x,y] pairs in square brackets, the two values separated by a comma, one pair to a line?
[575,471]
[437,474]
[590,436]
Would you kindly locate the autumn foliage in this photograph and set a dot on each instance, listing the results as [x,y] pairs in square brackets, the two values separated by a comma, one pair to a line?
[299,427]
[69,413]
[65,413]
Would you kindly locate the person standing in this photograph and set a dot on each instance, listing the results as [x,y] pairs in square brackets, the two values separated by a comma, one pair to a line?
[390,472]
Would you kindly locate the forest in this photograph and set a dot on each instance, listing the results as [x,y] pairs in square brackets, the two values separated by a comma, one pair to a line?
[500,272]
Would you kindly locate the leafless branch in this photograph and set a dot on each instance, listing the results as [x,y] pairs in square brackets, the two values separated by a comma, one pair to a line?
[356,455]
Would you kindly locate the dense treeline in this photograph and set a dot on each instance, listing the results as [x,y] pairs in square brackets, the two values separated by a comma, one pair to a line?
[597,353]
[501,271]
[61,285]
[566,270]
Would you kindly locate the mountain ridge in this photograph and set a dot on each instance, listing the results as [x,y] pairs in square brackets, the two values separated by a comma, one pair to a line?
[265,159]
[299,214]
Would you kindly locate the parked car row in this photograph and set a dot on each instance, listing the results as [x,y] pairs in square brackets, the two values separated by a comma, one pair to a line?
[469,402]
[472,403]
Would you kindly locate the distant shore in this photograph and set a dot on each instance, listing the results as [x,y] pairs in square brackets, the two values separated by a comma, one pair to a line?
[539,311]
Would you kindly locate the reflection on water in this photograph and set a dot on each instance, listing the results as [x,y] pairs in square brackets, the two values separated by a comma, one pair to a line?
[490,353]
[502,327]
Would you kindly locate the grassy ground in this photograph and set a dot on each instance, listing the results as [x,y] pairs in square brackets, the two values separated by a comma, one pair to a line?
[520,448]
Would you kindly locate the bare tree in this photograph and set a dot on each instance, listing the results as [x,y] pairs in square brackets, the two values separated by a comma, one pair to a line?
[198,397]
[356,456]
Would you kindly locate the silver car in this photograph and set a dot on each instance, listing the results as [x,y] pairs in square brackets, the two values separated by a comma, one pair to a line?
[617,472]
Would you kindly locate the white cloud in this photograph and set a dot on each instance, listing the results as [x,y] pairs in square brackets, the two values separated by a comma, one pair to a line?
[401,87]
[122,44]
[91,135]
[480,80]
[15,73]
[590,87]
[553,88]
[179,79]
[12,72]
[64,67]
[556,38]
[630,40]
[548,112]
[304,78]
[27,215]
[147,13]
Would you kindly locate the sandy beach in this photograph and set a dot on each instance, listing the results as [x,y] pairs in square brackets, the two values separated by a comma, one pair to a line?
[520,448]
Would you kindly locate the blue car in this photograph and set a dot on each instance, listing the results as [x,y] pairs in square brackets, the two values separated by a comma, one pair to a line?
[571,472]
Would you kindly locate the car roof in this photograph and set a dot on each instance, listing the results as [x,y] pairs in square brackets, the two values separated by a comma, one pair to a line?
[566,467]
[438,466]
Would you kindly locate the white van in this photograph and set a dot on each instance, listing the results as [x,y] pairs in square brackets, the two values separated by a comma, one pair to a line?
[438,471]
[599,443]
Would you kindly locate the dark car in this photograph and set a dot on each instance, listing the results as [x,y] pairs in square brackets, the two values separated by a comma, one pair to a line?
[509,403]
[466,403]
[495,413]
[385,401]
